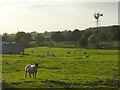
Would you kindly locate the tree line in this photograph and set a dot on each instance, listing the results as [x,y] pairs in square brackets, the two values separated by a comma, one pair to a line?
[80,38]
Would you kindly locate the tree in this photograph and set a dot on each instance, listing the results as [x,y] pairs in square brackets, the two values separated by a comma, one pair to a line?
[39,39]
[58,37]
[8,37]
[68,35]
[114,32]
[5,37]
[23,41]
[23,38]
[87,33]
[11,37]
[103,36]
[28,37]
[83,42]
[75,36]
[92,38]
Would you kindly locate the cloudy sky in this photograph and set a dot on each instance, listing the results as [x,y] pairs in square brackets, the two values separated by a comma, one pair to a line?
[54,15]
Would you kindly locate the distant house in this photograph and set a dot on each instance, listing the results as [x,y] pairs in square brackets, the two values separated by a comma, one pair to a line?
[10,48]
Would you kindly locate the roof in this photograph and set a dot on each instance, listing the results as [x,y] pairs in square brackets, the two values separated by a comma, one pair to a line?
[5,43]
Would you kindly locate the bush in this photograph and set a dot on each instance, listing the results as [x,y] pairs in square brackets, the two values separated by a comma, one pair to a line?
[83,42]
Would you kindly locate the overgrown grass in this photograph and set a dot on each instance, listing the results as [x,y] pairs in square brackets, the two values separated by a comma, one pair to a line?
[64,70]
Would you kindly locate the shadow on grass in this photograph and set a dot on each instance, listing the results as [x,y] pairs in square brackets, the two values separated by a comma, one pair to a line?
[50,67]
[112,83]
[14,83]
[6,85]
[108,83]
[24,55]
[57,83]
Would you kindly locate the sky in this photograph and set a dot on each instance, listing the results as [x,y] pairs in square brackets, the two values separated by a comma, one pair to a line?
[54,15]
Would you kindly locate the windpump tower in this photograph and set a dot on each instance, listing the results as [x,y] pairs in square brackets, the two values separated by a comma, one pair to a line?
[97,16]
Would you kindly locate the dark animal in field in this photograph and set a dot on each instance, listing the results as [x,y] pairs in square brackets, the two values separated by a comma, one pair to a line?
[86,56]
[31,51]
[53,55]
[22,53]
[31,69]
[68,52]
[85,52]
[47,54]
[74,52]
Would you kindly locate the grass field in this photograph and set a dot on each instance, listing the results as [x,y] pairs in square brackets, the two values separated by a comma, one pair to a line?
[70,44]
[63,71]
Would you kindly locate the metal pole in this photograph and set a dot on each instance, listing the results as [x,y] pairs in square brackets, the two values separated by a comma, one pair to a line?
[97,23]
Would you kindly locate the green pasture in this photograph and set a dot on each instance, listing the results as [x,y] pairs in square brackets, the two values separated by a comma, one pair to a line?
[64,70]
[70,44]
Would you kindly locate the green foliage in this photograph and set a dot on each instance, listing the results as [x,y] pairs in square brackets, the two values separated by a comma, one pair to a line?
[5,37]
[83,42]
[23,41]
[23,38]
[114,32]
[100,70]
[103,36]
[8,37]
[68,35]
[75,35]
[48,38]
[57,37]
[95,36]
[92,38]
[39,39]
[87,33]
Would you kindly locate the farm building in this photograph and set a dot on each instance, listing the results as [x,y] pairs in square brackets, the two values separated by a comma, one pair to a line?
[9,48]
